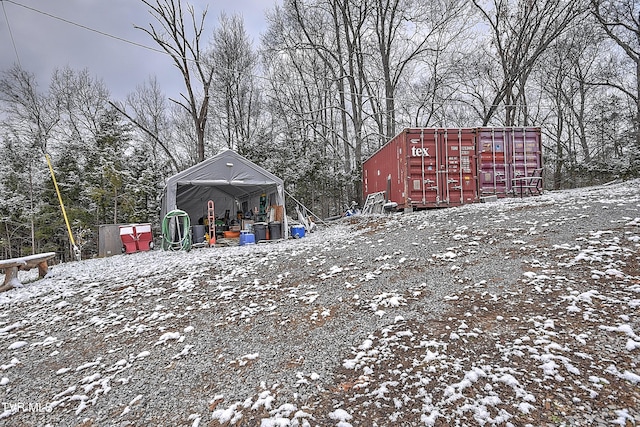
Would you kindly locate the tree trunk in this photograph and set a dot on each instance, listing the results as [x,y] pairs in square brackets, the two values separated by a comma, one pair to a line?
[185,51]
[637,124]
[31,218]
[115,204]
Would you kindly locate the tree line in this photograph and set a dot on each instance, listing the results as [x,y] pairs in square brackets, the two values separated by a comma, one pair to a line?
[328,83]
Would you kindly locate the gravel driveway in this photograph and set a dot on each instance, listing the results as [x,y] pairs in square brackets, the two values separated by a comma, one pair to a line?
[517,312]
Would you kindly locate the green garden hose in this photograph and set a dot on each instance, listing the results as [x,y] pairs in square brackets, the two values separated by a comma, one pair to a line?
[183,241]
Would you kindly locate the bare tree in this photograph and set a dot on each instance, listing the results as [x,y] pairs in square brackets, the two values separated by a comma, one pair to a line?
[406,33]
[351,59]
[307,100]
[433,88]
[150,116]
[187,54]
[521,31]
[620,19]
[35,115]
[332,31]
[234,92]
[565,75]
[349,20]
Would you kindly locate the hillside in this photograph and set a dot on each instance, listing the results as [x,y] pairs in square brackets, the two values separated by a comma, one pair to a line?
[518,312]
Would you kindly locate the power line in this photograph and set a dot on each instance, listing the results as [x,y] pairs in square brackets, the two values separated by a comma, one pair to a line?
[11,33]
[84,27]
[102,33]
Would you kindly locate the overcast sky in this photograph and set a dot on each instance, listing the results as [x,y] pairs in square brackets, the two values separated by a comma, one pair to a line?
[44,43]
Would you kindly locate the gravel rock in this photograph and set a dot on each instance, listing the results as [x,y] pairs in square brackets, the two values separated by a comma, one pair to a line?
[517,312]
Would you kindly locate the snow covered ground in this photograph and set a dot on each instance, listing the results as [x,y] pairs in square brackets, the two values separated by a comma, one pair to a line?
[518,312]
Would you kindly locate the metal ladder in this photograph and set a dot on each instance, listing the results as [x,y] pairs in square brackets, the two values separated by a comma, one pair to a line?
[211,214]
[374,203]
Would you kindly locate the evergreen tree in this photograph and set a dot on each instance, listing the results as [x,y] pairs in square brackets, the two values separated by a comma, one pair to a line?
[145,189]
[106,170]
[14,200]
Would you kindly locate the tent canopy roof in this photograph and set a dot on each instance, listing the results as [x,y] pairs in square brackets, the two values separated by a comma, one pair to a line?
[226,168]
[227,178]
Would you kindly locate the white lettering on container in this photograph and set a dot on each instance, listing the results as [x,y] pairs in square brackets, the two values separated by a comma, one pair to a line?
[420,152]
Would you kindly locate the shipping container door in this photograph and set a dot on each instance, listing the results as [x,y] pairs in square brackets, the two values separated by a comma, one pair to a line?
[506,156]
[527,151]
[423,161]
[458,174]
[495,159]
[441,167]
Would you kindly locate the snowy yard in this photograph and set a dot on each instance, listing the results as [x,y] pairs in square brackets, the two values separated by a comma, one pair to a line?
[518,312]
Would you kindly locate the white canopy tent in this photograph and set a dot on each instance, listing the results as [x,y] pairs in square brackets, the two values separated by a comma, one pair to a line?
[233,182]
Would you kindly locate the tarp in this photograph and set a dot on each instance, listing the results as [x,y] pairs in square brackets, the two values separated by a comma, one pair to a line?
[233,182]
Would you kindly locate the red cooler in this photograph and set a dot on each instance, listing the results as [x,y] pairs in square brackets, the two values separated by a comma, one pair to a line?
[128,237]
[144,236]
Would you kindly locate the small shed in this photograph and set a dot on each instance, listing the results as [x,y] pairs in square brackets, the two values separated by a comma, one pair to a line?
[109,241]
[233,182]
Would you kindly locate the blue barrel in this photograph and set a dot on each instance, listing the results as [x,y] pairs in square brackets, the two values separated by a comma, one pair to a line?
[247,238]
[297,231]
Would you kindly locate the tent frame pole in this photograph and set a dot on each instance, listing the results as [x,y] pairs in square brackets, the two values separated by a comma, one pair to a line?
[308,210]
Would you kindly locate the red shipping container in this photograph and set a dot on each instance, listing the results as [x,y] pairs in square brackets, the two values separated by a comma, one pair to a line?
[508,159]
[425,168]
